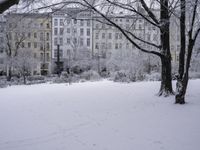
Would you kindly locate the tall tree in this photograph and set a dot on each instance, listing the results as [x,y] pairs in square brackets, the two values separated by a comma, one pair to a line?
[191,9]
[163,24]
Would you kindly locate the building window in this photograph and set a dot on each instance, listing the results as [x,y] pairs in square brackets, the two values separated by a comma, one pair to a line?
[41,25]
[120,35]
[35,44]
[127,45]
[55,41]
[116,46]
[81,31]
[55,31]
[61,22]
[68,40]
[75,41]
[61,41]
[48,58]
[35,35]
[110,35]
[120,45]
[75,21]
[41,36]
[88,32]
[88,23]
[97,45]
[61,31]
[48,46]
[88,41]
[68,21]
[47,36]
[140,27]
[81,22]
[29,35]
[68,30]
[29,44]
[103,45]
[75,30]
[41,46]
[48,26]
[55,22]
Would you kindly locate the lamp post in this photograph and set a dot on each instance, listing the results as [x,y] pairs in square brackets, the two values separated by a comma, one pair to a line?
[58,63]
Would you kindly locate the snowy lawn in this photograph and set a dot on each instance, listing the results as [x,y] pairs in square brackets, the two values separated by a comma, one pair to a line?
[98,116]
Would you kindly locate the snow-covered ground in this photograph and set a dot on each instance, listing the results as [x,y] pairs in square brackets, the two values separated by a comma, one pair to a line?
[98,116]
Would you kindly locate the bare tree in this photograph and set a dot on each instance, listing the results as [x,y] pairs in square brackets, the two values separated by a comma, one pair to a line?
[12,50]
[190,9]
[163,24]
[24,63]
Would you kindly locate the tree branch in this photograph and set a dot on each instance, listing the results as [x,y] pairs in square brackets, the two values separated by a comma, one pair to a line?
[6,4]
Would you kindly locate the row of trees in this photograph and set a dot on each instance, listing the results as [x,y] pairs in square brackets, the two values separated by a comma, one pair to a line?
[186,11]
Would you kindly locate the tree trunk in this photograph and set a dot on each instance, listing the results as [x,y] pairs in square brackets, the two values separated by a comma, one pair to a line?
[182,79]
[24,77]
[9,74]
[182,83]
[181,89]
[181,68]
[166,78]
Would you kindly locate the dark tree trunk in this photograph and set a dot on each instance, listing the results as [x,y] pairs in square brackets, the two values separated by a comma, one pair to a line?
[166,79]
[183,83]
[9,74]
[24,78]
[181,89]
[183,41]
[182,79]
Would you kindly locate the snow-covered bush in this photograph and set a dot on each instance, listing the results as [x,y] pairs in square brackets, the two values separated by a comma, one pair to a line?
[35,79]
[123,76]
[90,75]
[194,75]
[3,81]
[153,77]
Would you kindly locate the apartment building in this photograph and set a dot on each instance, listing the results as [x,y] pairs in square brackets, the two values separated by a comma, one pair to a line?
[79,34]
[72,35]
[108,40]
[32,32]
[2,44]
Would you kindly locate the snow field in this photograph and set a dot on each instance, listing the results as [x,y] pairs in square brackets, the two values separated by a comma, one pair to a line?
[98,116]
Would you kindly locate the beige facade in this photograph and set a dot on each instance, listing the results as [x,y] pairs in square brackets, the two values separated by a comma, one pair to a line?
[32,32]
